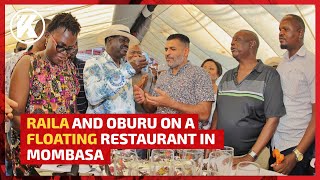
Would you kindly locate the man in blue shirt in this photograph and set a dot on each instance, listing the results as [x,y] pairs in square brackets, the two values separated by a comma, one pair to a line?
[108,78]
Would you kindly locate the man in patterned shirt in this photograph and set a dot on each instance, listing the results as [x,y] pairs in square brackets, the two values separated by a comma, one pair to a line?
[183,88]
[108,78]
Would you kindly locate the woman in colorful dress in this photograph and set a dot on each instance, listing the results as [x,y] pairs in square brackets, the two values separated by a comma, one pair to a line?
[45,83]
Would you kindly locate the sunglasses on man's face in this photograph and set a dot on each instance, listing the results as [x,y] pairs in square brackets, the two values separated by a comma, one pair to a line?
[60,48]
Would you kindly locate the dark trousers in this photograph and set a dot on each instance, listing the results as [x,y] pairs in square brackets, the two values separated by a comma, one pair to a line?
[302,167]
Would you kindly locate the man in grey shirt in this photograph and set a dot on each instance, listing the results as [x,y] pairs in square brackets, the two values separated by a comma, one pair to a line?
[249,102]
[183,88]
[295,134]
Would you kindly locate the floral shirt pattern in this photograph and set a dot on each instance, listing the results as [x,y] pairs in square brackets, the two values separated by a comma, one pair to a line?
[53,90]
[191,85]
[108,88]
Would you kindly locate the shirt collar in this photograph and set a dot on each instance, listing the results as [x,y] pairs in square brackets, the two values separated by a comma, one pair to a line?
[109,58]
[258,67]
[301,52]
[182,69]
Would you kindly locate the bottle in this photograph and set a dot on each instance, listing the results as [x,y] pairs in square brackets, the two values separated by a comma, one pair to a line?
[145,70]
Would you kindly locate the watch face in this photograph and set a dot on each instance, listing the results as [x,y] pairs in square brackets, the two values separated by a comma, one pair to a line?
[300,157]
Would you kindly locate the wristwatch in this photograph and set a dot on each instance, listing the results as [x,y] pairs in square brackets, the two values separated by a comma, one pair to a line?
[253,154]
[299,155]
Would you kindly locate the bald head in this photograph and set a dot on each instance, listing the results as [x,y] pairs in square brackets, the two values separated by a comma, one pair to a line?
[134,51]
[251,36]
[39,26]
[296,20]
[244,45]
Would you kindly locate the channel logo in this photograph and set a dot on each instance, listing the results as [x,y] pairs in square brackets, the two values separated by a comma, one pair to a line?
[23,20]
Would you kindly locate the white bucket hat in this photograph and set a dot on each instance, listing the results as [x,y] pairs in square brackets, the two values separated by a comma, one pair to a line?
[117,30]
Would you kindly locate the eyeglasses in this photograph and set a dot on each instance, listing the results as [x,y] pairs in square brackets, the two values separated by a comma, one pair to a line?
[60,48]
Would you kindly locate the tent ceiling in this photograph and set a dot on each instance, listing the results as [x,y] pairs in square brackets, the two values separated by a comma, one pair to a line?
[209,27]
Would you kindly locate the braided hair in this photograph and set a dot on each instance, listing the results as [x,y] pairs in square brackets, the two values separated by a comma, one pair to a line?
[64,20]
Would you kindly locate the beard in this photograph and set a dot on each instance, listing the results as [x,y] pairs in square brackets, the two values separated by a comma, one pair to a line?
[283,46]
[177,62]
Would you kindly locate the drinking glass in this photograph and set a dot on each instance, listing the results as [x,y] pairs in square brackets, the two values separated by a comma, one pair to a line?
[219,163]
[141,168]
[247,168]
[195,156]
[183,167]
[161,162]
[123,161]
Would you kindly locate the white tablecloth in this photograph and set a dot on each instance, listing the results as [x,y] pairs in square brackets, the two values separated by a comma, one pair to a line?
[263,172]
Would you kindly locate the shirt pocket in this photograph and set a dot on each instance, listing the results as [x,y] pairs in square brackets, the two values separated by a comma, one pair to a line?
[294,83]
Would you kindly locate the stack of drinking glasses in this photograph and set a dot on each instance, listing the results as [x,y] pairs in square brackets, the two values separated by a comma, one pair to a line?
[220,162]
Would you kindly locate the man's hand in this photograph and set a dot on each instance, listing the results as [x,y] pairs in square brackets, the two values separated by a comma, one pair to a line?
[162,100]
[138,94]
[287,164]
[9,104]
[143,81]
[138,63]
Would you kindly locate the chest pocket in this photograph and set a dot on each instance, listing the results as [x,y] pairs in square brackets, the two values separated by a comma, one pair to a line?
[294,83]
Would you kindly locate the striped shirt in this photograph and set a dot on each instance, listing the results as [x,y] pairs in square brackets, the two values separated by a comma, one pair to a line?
[298,83]
[244,107]
[82,102]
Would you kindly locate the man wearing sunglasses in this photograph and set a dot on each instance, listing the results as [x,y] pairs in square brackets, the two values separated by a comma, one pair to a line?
[108,78]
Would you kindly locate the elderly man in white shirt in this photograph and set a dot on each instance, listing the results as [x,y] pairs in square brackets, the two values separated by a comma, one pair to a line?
[295,133]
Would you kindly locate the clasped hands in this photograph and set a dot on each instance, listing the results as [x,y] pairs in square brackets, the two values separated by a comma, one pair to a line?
[162,100]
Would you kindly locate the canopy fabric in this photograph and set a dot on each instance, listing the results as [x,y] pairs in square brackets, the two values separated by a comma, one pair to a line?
[209,27]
